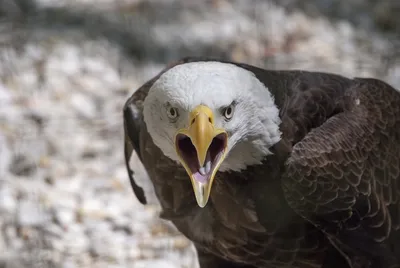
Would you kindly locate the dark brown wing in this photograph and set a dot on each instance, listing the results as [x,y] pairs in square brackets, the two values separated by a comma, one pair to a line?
[344,176]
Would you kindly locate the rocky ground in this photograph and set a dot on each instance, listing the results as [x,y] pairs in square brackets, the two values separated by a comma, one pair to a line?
[66,69]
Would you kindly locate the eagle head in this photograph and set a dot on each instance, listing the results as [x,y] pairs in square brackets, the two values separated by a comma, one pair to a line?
[210,117]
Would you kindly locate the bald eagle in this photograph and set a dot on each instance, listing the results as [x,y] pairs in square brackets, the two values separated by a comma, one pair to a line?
[262,168]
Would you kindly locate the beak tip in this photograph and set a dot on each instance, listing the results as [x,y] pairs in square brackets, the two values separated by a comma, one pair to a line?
[201,192]
[201,203]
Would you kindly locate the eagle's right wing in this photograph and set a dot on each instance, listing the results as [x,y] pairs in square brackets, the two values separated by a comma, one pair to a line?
[132,122]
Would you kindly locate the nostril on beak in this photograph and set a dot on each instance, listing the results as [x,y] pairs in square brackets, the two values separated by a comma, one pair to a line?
[193,120]
[209,119]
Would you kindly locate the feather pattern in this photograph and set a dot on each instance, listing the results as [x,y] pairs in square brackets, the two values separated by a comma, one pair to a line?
[343,175]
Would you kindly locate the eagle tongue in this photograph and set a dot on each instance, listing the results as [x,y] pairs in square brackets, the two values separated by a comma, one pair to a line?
[203,172]
[206,168]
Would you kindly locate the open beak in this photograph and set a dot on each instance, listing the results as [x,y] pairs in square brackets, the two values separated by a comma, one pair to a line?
[201,148]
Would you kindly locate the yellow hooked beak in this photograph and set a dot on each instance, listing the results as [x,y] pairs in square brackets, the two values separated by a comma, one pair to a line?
[201,148]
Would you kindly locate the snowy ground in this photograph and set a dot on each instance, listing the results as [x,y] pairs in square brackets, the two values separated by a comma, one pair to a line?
[66,69]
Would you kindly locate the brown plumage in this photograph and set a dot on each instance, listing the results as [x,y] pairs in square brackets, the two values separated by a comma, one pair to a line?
[328,196]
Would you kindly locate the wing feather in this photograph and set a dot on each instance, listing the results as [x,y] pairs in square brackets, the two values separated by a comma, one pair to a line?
[344,175]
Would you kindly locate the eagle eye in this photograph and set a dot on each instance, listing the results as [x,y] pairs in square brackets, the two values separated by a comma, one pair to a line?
[172,112]
[228,112]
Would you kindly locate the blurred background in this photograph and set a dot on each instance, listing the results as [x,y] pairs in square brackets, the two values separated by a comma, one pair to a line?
[68,66]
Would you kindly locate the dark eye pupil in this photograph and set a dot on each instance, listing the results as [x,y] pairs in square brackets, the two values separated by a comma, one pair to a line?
[172,111]
[228,111]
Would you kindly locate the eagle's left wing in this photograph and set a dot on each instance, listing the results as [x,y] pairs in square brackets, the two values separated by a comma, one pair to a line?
[344,176]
